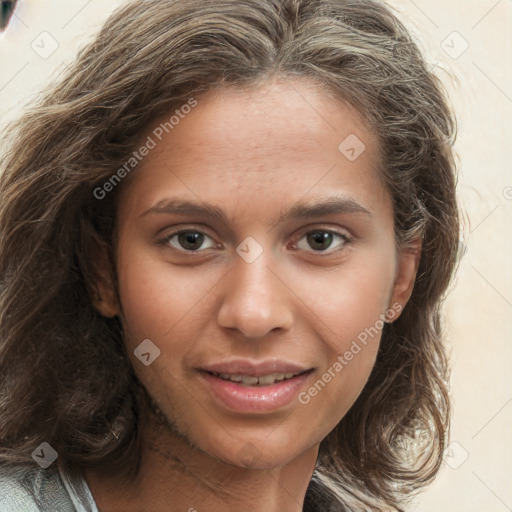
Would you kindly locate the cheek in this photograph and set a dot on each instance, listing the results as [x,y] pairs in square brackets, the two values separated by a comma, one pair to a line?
[350,316]
[158,306]
[156,303]
[353,298]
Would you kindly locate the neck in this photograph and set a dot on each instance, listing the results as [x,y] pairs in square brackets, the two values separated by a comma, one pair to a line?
[174,475]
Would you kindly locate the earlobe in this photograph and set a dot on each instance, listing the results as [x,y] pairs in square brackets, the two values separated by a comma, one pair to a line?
[103,296]
[405,278]
[106,306]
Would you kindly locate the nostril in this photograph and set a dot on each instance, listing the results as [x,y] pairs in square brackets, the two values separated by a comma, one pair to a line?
[6,10]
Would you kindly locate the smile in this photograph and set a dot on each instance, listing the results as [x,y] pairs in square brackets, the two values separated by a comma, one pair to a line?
[262,380]
[243,392]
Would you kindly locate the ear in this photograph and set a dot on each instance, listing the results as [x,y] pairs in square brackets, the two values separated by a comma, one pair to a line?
[408,262]
[103,296]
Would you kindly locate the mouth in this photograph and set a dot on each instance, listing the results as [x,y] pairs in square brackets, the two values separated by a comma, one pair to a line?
[247,387]
[258,381]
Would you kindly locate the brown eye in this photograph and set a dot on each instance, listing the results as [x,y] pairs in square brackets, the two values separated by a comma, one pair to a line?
[321,240]
[188,241]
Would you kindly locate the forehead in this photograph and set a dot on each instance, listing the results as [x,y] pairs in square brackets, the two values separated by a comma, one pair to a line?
[299,111]
[286,136]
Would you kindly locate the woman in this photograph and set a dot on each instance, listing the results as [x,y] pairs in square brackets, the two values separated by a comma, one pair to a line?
[226,235]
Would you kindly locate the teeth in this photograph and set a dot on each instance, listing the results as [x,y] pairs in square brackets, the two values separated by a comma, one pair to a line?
[250,380]
[247,380]
[266,380]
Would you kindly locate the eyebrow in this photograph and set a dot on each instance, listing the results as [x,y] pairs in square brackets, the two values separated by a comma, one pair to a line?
[319,208]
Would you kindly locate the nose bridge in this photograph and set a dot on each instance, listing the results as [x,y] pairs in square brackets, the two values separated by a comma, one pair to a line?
[255,301]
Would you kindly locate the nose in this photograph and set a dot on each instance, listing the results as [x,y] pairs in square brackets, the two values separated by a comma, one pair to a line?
[256,299]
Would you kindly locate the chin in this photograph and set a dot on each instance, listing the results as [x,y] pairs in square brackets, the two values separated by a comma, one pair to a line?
[257,452]
[249,456]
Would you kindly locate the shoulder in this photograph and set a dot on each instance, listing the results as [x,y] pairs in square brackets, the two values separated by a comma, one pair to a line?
[33,490]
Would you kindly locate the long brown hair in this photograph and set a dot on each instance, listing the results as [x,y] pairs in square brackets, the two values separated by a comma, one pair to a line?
[65,377]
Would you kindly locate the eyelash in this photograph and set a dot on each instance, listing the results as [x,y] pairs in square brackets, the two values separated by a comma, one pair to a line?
[165,241]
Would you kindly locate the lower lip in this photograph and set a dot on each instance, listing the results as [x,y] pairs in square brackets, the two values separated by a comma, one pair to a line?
[239,398]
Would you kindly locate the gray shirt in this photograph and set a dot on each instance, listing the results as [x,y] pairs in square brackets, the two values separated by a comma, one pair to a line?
[44,490]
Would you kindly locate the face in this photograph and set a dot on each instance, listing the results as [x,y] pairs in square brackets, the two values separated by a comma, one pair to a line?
[258,257]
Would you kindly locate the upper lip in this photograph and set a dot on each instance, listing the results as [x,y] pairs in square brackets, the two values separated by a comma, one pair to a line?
[255,368]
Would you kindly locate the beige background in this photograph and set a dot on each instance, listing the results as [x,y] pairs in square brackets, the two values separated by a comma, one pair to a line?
[469,44]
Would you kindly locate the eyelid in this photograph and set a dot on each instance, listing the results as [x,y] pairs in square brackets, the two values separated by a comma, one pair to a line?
[338,230]
[326,227]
